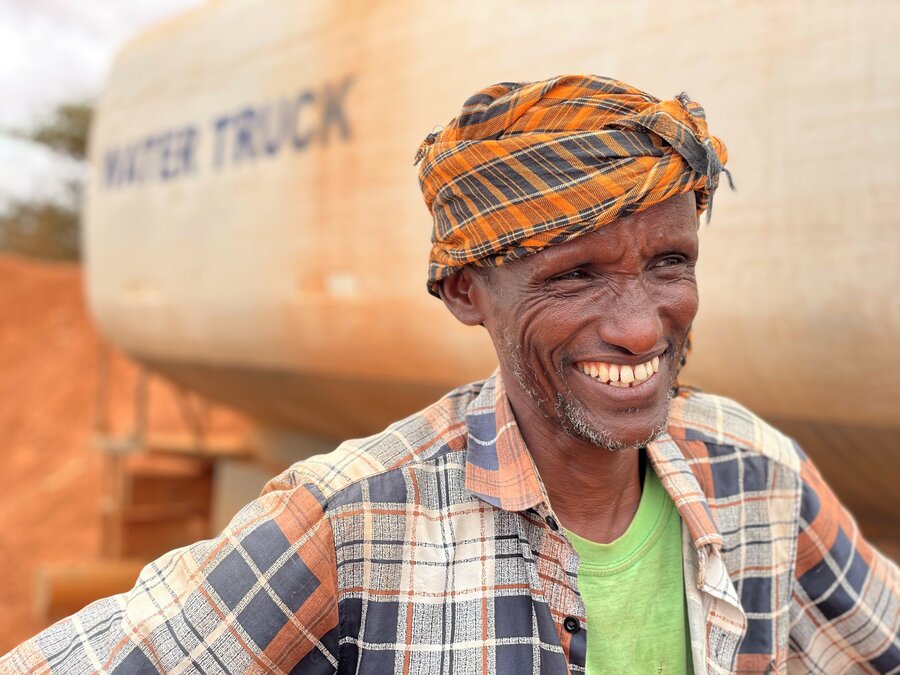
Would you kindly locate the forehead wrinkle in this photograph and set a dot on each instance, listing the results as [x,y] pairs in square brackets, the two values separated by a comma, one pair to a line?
[575,252]
[671,224]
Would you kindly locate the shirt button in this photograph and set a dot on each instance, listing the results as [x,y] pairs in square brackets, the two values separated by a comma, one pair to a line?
[551,523]
[571,624]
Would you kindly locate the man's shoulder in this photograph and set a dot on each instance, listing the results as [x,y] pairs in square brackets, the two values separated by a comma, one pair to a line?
[420,438]
[724,426]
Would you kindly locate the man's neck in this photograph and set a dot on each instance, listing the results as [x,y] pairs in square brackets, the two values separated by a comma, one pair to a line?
[595,492]
[594,495]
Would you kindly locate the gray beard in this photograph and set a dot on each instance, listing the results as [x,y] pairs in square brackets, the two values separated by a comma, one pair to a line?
[574,416]
[576,423]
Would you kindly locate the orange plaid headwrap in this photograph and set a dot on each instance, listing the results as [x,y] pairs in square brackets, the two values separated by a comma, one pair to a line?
[530,165]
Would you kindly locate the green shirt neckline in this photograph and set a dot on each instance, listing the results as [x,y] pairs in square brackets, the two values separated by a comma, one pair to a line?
[649,522]
[633,592]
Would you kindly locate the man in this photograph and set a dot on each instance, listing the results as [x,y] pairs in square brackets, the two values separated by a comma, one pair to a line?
[577,511]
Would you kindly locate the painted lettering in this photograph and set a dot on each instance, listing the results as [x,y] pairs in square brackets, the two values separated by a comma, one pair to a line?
[301,140]
[220,125]
[243,135]
[333,109]
[164,156]
[244,146]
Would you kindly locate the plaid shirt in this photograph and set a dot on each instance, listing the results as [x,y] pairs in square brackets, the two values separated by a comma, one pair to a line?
[432,548]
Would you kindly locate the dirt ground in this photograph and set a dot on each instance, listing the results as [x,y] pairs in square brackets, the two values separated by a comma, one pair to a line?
[50,485]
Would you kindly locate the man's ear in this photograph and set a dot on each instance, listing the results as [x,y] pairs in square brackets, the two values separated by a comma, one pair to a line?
[463,293]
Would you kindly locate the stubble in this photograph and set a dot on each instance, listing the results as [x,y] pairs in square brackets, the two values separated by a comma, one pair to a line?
[569,411]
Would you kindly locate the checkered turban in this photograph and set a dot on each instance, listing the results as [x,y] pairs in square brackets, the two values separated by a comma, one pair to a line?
[530,165]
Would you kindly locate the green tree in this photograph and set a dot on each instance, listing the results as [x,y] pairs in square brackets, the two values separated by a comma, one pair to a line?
[50,228]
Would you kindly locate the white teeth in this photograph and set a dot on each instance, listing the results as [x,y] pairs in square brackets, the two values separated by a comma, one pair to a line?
[604,372]
[622,375]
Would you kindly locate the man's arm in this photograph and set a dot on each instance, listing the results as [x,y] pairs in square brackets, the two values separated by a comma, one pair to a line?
[262,596]
[845,609]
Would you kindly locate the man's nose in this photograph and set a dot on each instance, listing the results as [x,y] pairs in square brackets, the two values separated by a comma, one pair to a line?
[631,321]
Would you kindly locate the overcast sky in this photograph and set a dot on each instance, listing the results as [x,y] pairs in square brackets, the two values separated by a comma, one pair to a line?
[54,51]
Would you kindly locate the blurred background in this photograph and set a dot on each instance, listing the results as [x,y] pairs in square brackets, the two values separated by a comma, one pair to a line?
[213,247]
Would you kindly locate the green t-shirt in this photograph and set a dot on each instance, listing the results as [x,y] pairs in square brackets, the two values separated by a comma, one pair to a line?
[633,589]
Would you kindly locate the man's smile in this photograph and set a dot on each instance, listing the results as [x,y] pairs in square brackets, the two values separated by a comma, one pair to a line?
[620,375]
[632,383]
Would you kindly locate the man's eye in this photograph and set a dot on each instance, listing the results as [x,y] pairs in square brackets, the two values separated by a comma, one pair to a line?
[670,260]
[571,275]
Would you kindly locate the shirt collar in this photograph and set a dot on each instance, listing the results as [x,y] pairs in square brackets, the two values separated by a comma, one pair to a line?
[671,456]
[500,470]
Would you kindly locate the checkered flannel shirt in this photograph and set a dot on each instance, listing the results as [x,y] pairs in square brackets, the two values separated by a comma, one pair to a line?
[431,548]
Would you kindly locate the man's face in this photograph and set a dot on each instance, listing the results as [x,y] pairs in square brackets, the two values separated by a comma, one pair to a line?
[567,320]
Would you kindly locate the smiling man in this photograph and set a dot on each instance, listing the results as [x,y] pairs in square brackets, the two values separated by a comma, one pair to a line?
[576,511]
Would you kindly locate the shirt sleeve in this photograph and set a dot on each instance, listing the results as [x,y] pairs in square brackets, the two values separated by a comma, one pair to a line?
[261,597]
[845,609]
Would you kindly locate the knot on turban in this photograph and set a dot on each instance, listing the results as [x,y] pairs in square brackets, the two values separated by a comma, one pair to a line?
[529,165]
